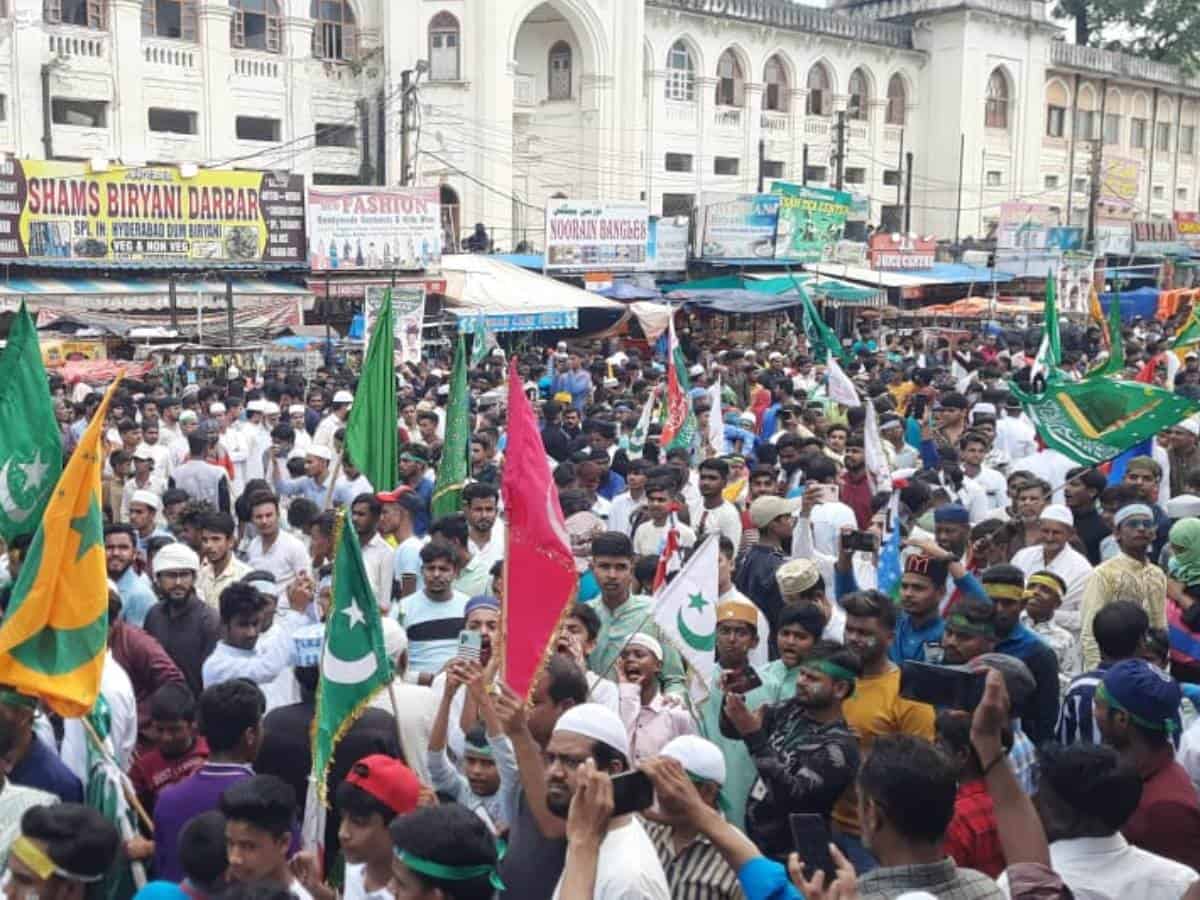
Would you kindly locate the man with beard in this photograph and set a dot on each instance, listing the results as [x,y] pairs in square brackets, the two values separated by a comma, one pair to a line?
[854,486]
[137,593]
[485,537]
[876,707]
[377,555]
[185,625]
[247,613]
[805,752]
[588,739]
[1054,554]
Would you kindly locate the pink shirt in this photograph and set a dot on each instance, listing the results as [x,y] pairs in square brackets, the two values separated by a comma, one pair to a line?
[651,727]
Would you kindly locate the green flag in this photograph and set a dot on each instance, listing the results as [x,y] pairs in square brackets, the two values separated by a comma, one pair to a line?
[1049,354]
[482,340]
[1099,418]
[1189,333]
[452,470]
[679,424]
[1115,363]
[30,442]
[105,791]
[821,339]
[371,428]
[354,664]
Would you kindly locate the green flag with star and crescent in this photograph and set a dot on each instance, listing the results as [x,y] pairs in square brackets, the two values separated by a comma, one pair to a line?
[354,664]
[55,629]
[30,442]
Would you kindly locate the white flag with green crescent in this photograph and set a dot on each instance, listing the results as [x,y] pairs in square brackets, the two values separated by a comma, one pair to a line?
[685,610]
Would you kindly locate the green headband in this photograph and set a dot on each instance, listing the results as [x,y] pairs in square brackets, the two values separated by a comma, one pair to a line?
[959,622]
[1166,725]
[830,668]
[450,873]
[412,457]
[485,750]
[9,697]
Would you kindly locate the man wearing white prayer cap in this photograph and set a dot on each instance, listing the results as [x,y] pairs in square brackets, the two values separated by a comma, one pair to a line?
[1183,453]
[302,438]
[693,864]
[588,738]
[182,622]
[337,418]
[316,481]
[1054,553]
[649,722]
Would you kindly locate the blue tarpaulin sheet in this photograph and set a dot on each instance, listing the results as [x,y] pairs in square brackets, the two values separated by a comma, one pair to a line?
[1138,302]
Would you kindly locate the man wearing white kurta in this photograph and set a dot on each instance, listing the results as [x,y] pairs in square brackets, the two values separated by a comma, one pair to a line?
[1055,555]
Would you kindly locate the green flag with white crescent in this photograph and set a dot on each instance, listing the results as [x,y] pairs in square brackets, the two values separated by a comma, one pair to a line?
[354,664]
[452,470]
[30,441]
[1099,418]
[482,340]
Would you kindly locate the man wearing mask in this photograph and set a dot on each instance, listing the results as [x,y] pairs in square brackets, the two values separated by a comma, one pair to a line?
[184,624]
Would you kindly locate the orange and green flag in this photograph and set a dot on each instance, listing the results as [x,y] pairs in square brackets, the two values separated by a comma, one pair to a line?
[55,631]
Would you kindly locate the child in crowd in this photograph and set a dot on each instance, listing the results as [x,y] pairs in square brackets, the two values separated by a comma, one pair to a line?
[1044,592]
[178,750]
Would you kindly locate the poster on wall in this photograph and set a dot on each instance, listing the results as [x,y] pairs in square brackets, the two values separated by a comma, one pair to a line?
[408,317]
[1074,280]
[1114,236]
[585,236]
[667,245]
[811,221]
[55,211]
[374,228]
[738,226]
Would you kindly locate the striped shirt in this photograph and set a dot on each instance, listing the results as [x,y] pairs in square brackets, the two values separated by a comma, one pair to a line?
[698,872]
[1076,724]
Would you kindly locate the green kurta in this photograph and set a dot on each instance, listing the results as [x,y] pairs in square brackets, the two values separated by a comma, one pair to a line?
[616,628]
[778,684]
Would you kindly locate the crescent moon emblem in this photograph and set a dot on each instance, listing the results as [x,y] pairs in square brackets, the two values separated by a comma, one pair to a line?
[698,641]
[17,514]
[347,671]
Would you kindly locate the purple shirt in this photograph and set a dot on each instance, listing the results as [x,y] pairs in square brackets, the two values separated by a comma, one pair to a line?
[180,803]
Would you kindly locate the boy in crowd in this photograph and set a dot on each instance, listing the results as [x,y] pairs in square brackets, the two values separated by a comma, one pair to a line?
[178,750]
[258,832]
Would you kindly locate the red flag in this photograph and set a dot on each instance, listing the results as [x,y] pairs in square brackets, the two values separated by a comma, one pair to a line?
[1146,373]
[670,548]
[539,568]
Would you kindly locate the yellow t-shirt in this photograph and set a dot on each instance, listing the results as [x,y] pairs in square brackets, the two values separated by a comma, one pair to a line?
[877,709]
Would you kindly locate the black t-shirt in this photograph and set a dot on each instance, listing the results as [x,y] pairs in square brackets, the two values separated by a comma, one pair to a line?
[532,864]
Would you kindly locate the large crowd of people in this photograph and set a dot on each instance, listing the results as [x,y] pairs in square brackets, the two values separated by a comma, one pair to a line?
[1066,597]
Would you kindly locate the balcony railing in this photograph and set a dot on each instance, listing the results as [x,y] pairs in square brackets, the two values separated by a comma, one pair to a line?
[1109,62]
[816,128]
[681,112]
[256,65]
[858,131]
[797,17]
[78,43]
[172,55]
[729,117]
[775,123]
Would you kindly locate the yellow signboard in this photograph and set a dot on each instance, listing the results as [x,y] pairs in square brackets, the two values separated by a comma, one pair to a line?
[61,210]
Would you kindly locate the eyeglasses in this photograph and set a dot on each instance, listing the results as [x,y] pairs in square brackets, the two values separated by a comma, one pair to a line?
[569,763]
[1139,523]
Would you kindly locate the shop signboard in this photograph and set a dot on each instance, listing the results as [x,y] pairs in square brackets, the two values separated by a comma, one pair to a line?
[1114,236]
[52,211]
[738,226]
[374,228]
[667,246]
[1187,229]
[811,221]
[901,252]
[1025,226]
[408,317]
[556,320]
[1119,184]
[1157,239]
[604,237]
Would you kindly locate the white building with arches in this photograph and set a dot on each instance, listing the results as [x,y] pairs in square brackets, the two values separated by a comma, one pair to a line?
[658,100]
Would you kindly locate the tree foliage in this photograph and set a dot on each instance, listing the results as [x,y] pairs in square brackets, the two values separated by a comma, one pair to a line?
[1162,30]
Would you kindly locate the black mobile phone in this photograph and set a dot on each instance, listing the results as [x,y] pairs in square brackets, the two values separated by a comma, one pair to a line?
[866,541]
[946,686]
[632,792]
[810,839]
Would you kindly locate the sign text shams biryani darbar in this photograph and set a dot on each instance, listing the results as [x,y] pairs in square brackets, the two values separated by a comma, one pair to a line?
[57,210]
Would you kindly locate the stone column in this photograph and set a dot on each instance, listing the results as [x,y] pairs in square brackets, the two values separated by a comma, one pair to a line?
[127,124]
[299,71]
[218,117]
[752,129]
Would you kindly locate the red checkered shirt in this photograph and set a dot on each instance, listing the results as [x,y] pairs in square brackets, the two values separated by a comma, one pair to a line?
[972,839]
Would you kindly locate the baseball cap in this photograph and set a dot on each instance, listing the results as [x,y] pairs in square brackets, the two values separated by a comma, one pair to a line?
[1149,695]
[766,509]
[388,780]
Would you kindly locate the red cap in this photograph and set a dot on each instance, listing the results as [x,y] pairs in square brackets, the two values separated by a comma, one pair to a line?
[388,780]
[393,496]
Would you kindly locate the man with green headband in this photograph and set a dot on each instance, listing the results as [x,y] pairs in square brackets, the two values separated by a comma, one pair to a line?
[62,853]
[1134,708]
[805,753]
[443,851]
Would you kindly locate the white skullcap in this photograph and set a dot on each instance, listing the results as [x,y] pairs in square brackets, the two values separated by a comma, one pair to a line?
[1140,510]
[644,640]
[1182,506]
[147,498]
[216,409]
[696,370]
[188,415]
[176,557]
[1189,425]
[983,409]
[320,451]
[699,758]
[395,638]
[256,405]
[295,408]
[598,722]
[343,397]
[1056,512]
[270,408]
[233,372]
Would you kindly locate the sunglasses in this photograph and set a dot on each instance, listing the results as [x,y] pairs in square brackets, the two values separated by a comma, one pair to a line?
[1139,523]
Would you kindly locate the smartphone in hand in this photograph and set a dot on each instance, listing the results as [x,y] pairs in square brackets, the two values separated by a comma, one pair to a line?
[470,645]
[810,839]
[632,792]
[945,686]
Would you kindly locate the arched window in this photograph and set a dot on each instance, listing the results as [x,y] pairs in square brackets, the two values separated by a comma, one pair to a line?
[731,83]
[85,13]
[775,82]
[681,73]
[335,36]
[560,71]
[897,101]
[818,91]
[444,43]
[256,24]
[860,95]
[995,114]
[171,19]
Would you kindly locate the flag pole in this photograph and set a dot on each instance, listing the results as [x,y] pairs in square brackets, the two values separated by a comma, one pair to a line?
[130,796]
